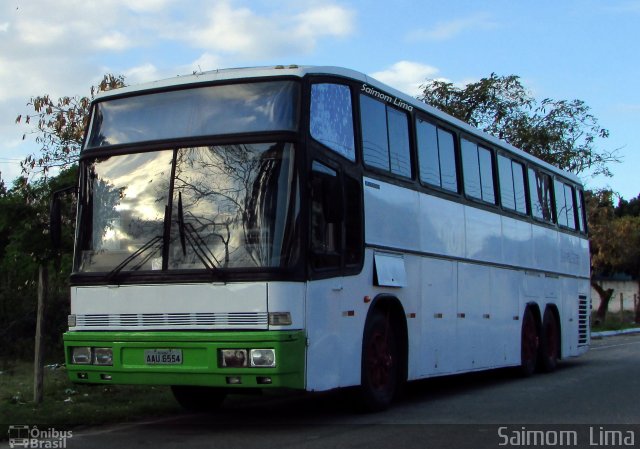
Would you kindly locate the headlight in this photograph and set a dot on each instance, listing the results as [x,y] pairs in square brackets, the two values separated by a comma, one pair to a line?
[233,358]
[263,358]
[81,355]
[103,356]
[71,320]
[280,318]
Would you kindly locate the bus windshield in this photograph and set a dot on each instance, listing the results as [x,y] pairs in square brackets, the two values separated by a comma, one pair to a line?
[191,208]
[196,112]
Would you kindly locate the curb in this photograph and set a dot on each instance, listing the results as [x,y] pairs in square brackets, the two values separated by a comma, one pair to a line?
[634,330]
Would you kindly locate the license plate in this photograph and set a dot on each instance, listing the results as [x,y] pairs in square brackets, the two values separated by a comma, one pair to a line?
[163,356]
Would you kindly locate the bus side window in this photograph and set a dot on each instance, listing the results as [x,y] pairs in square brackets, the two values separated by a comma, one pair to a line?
[331,118]
[436,153]
[477,166]
[326,217]
[580,211]
[540,192]
[385,137]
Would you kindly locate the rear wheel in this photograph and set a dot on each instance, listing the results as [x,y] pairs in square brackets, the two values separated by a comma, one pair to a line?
[380,364]
[198,399]
[529,344]
[549,342]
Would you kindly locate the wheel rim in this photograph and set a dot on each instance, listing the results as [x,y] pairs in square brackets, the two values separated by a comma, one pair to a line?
[380,361]
[551,332]
[529,340]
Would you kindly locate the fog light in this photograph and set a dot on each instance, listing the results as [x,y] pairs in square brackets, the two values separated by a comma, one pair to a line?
[280,318]
[233,358]
[263,380]
[234,380]
[263,358]
[102,356]
[83,375]
[81,355]
[71,321]
[106,377]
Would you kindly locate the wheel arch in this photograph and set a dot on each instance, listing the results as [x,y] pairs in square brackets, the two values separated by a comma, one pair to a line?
[390,305]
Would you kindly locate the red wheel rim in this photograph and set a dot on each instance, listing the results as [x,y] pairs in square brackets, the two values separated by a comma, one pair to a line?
[529,339]
[380,361]
[552,339]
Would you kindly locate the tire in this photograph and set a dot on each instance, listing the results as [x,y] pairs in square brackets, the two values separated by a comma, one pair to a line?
[549,352]
[529,344]
[198,399]
[380,375]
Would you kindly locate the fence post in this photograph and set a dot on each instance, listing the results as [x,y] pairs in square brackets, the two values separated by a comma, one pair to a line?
[38,362]
[621,307]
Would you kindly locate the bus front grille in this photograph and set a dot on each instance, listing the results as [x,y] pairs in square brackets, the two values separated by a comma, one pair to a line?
[233,320]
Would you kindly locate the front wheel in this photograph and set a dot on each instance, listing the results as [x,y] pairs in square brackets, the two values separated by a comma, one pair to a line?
[380,364]
[198,399]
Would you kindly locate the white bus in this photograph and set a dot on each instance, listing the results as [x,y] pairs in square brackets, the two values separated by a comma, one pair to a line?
[311,228]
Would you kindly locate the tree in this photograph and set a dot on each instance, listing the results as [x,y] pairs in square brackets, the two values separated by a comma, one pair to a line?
[614,244]
[59,127]
[563,133]
[631,207]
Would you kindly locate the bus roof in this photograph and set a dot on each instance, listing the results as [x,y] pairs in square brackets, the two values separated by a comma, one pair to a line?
[213,76]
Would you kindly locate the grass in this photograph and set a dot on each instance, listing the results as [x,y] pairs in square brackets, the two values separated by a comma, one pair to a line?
[613,322]
[67,405]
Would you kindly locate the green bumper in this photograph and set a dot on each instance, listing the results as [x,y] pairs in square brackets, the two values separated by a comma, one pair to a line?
[199,358]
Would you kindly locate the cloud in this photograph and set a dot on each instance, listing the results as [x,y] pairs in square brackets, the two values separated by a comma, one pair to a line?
[406,76]
[452,28]
[229,29]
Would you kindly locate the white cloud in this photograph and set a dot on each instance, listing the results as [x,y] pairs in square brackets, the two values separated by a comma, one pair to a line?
[452,28]
[142,74]
[241,31]
[114,40]
[4,27]
[406,76]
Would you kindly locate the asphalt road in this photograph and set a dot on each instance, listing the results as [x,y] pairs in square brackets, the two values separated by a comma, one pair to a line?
[592,399]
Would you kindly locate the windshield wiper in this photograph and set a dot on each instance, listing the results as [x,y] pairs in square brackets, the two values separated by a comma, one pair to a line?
[189,234]
[143,249]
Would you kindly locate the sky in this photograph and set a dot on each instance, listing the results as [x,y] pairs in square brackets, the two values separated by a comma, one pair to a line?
[561,49]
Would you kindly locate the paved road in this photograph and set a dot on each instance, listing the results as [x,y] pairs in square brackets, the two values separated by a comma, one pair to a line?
[588,397]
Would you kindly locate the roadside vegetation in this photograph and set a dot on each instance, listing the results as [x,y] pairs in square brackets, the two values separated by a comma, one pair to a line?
[67,405]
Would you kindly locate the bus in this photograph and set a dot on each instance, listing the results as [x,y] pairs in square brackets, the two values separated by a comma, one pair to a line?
[311,228]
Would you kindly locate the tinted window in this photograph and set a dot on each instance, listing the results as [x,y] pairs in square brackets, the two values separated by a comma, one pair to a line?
[448,170]
[471,169]
[568,195]
[437,156]
[505,173]
[519,187]
[331,121]
[375,146]
[486,175]
[540,192]
[399,149]
[385,137]
[581,222]
[512,188]
[428,153]
[561,207]
[477,165]
[325,217]
[201,111]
